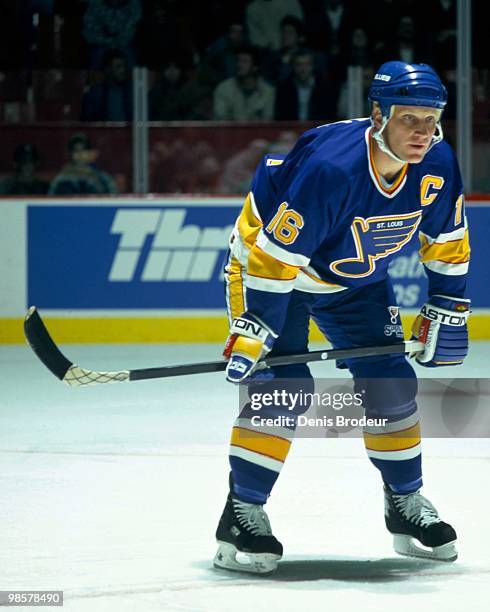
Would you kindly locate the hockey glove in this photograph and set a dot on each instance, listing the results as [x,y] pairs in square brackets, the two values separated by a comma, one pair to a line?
[249,340]
[441,326]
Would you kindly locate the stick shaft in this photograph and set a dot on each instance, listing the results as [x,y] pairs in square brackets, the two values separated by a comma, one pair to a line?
[48,352]
[308,357]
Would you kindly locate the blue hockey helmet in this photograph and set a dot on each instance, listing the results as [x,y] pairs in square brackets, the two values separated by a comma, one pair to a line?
[407,85]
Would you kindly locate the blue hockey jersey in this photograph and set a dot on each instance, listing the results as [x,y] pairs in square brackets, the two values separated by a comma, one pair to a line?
[321,219]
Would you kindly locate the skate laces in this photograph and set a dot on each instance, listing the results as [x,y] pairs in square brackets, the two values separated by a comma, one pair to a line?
[417,509]
[252,517]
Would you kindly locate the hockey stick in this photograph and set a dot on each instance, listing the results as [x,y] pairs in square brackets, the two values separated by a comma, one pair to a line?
[45,348]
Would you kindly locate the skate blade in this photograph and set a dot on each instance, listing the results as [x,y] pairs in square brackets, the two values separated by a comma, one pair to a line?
[228,557]
[409,547]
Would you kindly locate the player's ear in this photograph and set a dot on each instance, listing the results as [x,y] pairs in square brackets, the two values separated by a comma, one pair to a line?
[376,116]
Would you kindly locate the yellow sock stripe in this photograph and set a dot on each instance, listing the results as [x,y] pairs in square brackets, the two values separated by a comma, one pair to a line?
[394,441]
[264,444]
[453,251]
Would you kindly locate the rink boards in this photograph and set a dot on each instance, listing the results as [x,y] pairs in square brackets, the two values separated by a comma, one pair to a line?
[151,269]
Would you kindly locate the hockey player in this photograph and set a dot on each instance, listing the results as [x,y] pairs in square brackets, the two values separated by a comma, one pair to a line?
[314,239]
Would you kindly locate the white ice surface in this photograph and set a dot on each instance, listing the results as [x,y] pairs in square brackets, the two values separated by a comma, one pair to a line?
[112,494]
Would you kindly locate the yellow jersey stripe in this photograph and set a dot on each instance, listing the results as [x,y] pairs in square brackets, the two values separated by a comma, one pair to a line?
[249,224]
[452,251]
[235,291]
[263,265]
[317,279]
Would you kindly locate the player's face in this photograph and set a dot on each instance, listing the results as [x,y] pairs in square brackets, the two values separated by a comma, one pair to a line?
[409,131]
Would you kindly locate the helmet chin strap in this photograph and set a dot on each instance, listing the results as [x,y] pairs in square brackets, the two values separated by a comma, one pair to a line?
[378,137]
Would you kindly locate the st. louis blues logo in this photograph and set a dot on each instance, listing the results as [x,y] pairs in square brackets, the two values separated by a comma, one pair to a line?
[393,328]
[393,310]
[374,238]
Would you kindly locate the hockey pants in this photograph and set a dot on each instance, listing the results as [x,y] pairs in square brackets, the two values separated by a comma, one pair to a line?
[366,316]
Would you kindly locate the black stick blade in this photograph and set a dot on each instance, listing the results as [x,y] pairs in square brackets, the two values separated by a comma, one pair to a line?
[42,344]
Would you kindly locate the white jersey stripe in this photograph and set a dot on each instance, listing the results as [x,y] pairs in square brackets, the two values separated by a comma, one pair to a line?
[269,284]
[292,259]
[449,237]
[253,205]
[450,269]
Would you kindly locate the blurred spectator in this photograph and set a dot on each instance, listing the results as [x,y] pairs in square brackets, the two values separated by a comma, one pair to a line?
[80,176]
[277,64]
[239,169]
[246,96]
[184,167]
[405,46]
[360,51]
[43,49]
[109,25]
[382,31]
[343,105]
[328,25]
[73,52]
[479,37]
[206,169]
[264,18]
[443,39]
[112,99]
[24,181]
[284,143]
[481,97]
[15,35]
[210,20]
[219,61]
[449,77]
[164,34]
[304,96]
[177,96]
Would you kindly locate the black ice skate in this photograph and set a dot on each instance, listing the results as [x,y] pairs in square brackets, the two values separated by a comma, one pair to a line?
[245,539]
[412,518]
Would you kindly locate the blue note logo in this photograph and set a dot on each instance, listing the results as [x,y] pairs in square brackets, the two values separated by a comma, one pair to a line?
[375,238]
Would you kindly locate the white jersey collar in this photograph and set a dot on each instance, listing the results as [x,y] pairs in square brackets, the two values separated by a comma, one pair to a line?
[388,191]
